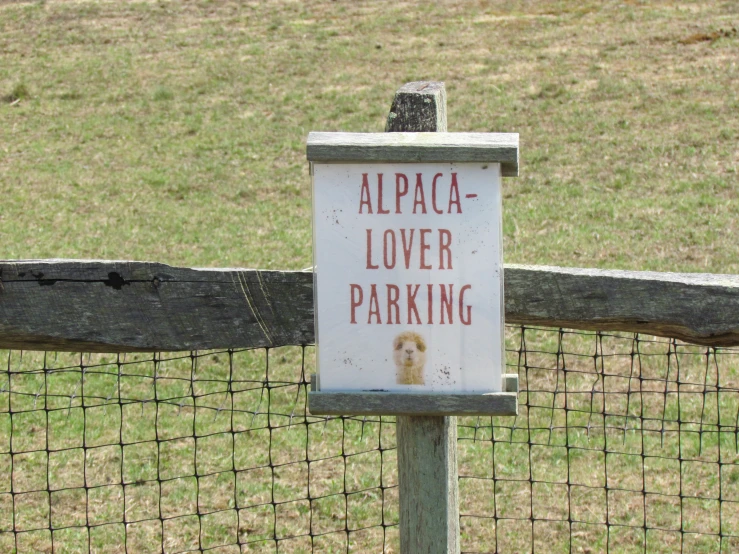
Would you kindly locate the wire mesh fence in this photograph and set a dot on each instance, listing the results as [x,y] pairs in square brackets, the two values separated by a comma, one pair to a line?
[623,443]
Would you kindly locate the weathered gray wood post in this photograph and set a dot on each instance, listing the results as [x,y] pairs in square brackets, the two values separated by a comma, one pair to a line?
[427,445]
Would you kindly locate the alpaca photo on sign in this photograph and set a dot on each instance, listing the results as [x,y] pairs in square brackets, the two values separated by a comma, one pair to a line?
[409,354]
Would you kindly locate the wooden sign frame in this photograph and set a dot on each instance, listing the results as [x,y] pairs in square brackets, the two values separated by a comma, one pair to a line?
[410,148]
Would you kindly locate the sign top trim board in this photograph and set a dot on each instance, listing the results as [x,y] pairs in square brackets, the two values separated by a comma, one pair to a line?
[499,148]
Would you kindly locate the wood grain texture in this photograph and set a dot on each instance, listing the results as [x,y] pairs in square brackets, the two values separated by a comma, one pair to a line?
[698,308]
[399,147]
[98,306]
[407,114]
[81,305]
[510,382]
[388,403]
[428,482]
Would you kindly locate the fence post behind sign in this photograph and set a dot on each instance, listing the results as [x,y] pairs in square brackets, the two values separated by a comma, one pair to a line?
[427,445]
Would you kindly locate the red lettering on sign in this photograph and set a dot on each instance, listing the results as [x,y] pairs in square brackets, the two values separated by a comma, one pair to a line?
[433,193]
[445,246]
[380,210]
[364,195]
[370,265]
[374,305]
[398,299]
[402,188]
[454,195]
[407,245]
[393,294]
[446,302]
[468,319]
[389,264]
[424,246]
[418,197]
[412,308]
[355,301]
[398,193]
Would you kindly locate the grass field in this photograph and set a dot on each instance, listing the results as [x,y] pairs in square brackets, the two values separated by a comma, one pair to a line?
[175,132]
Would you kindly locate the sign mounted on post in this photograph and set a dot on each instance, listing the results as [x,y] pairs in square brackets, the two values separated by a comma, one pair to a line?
[407,232]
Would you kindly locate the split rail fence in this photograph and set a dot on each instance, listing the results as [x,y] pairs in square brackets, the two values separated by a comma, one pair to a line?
[625,441]
[149,408]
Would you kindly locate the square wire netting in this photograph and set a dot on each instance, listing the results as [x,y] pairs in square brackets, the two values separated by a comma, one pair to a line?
[623,443]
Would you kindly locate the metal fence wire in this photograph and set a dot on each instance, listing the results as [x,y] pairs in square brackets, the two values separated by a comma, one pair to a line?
[623,443]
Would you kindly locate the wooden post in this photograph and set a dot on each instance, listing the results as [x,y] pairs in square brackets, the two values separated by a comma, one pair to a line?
[427,445]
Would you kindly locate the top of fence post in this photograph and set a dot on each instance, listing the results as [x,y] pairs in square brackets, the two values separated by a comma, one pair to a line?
[418,107]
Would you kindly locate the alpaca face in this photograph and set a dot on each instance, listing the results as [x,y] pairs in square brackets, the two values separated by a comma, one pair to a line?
[409,355]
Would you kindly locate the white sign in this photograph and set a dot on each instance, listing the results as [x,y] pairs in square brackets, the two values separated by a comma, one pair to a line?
[409,276]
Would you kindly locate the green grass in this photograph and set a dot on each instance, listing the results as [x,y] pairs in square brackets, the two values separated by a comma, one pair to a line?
[175,132]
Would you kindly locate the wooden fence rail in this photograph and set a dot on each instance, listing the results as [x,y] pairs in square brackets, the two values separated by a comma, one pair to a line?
[124,306]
